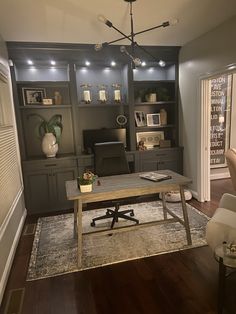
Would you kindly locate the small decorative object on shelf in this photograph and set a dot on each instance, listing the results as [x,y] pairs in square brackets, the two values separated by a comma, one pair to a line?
[50,132]
[102,93]
[163,116]
[47,101]
[152,97]
[85,182]
[86,93]
[121,120]
[141,145]
[140,118]
[49,145]
[117,92]
[57,98]
[153,119]
[33,96]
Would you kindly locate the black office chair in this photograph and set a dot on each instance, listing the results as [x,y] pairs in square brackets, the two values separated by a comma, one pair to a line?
[110,159]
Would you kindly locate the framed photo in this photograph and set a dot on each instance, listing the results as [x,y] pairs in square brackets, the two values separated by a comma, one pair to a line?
[150,139]
[33,96]
[140,118]
[153,119]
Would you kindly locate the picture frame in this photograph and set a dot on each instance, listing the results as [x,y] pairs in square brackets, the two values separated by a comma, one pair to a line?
[33,96]
[150,139]
[153,119]
[140,118]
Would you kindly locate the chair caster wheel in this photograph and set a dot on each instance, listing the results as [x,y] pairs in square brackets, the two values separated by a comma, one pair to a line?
[92,224]
[132,214]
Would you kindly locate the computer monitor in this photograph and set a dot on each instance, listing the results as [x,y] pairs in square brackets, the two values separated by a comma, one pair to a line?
[91,137]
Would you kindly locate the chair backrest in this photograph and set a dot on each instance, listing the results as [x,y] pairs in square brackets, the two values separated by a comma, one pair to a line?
[231,161]
[110,159]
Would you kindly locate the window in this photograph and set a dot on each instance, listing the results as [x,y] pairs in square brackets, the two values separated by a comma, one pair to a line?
[10,175]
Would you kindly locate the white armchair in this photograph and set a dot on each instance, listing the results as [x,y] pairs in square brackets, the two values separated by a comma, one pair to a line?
[222,226]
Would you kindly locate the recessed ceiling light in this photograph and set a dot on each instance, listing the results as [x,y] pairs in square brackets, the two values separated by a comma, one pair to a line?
[162,63]
[30,62]
[113,63]
[53,62]
[87,63]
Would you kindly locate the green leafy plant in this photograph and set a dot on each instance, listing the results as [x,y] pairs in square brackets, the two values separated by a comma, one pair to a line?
[87,178]
[53,125]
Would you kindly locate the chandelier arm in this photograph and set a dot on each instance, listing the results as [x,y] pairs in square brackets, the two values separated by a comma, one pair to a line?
[164,24]
[147,52]
[141,32]
[116,40]
[131,28]
[125,36]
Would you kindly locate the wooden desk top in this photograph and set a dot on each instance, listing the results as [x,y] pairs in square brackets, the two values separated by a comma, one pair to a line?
[125,185]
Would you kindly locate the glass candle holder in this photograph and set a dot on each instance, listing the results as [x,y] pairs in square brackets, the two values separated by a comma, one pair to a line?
[102,93]
[86,93]
[117,92]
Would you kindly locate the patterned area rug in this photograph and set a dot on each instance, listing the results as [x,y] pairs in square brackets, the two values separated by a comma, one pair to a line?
[54,249]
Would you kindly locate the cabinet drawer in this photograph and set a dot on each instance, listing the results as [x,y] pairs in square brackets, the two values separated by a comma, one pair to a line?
[160,155]
[48,164]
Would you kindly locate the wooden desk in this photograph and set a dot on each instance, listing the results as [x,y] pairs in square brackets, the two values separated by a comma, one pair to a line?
[124,186]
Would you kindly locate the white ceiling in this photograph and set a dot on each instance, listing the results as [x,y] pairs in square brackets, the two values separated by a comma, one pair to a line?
[75,21]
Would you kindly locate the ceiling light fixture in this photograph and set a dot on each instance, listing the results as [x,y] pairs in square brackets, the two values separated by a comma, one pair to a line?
[131,37]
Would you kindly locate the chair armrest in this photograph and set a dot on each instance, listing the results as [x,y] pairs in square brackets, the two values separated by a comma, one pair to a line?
[228,201]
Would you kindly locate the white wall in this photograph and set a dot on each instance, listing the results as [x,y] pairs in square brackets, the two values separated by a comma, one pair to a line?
[204,56]
[11,226]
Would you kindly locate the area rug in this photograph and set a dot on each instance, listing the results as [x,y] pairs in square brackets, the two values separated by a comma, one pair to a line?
[54,249]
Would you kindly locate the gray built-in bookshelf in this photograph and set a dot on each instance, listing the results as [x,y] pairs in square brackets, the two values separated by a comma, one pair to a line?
[44,178]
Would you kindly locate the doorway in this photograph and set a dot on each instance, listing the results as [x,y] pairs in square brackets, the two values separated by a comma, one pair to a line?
[218,95]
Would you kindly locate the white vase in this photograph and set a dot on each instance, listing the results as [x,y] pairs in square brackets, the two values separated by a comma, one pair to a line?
[86,188]
[49,145]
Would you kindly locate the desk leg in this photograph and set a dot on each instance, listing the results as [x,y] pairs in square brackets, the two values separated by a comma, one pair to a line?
[79,231]
[75,218]
[163,195]
[185,214]
[221,286]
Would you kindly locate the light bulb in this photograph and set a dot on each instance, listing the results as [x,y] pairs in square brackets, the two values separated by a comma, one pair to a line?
[143,63]
[113,63]
[137,61]
[161,63]
[98,47]
[122,49]
[173,22]
[87,63]
[102,18]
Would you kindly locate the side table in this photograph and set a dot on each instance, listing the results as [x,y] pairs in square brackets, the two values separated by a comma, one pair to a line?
[225,254]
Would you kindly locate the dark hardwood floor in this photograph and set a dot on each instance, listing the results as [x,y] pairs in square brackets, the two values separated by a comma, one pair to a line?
[182,282]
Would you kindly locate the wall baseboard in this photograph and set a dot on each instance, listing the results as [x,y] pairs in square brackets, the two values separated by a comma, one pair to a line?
[11,255]
[195,195]
[218,176]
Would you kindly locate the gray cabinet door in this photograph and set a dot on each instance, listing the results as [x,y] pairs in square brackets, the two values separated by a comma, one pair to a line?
[45,190]
[38,193]
[60,201]
[161,160]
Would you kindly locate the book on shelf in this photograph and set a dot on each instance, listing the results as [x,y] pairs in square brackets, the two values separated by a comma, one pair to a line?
[155,176]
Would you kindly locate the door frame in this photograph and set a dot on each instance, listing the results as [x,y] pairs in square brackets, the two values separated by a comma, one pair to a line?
[203,181]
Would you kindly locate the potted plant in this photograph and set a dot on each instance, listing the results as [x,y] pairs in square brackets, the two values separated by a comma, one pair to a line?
[50,132]
[85,181]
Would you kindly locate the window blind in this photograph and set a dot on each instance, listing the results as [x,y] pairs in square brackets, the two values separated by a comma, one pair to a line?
[10,179]
[10,176]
